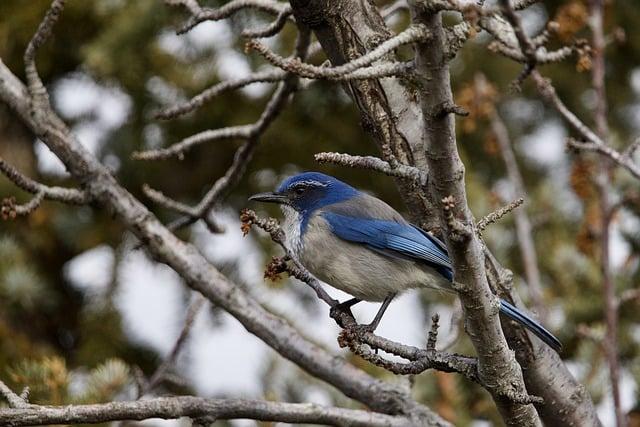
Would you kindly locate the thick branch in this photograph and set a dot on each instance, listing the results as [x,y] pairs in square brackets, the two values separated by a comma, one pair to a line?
[497,367]
[196,407]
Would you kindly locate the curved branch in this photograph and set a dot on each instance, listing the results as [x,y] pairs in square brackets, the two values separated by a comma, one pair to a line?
[410,35]
[178,149]
[497,365]
[196,407]
[229,9]
[271,29]
[374,163]
[269,76]
[60,194]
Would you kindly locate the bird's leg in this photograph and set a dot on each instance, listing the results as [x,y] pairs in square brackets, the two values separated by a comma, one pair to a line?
[348,303]
[376,320]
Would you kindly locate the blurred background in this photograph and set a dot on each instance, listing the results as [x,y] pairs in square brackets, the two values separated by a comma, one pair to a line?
[83,312]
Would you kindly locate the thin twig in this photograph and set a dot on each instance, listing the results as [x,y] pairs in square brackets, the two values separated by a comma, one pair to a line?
[523,224]
[193,310]
[178,149]
[410,35]
[269,76]
[374,163]
[229,9]
[10,210]
[625,161]
[495,216]
[393,8]
[38,92]
[244,154]
[12,399]
[60,194]
[272,29]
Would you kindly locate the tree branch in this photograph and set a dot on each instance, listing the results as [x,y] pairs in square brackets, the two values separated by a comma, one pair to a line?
[269,76]
[271,29]
[594,142]
[603,183]
[229,9]
[156,378]
[621,159]
[60,194]
[523,225]
[376,164]
[14,401]
[497,365]
[410,35]
[497,215]
[195,407]
[178,149]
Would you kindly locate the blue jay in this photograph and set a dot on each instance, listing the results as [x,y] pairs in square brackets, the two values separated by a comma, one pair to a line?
[359,244]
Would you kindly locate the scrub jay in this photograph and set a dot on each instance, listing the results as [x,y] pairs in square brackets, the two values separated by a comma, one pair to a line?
[359,244]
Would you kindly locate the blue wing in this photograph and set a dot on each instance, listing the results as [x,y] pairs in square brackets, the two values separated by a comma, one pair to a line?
[392,239]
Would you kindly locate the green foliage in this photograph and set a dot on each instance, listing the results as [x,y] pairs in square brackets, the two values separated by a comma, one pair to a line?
[106,381]
[47,379]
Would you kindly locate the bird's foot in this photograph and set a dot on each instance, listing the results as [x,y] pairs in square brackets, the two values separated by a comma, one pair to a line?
[344,308]
[337,313]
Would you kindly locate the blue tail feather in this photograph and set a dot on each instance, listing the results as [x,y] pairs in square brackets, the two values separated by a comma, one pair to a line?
[514,313]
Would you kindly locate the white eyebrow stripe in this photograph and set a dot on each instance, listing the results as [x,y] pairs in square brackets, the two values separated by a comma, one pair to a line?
[310,184]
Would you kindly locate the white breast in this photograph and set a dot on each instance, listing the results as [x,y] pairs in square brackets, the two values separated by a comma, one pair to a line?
[291,227]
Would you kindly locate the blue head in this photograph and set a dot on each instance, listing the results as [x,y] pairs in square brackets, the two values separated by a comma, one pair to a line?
[308,191]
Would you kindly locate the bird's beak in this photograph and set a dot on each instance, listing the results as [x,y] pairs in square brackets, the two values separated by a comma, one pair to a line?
[270,197]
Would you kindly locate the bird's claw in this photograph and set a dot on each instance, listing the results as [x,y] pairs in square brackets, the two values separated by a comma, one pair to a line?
[336,312]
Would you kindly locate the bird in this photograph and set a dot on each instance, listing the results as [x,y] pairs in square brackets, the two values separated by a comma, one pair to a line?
[359,244]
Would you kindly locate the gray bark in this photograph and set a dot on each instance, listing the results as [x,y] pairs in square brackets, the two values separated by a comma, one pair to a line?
[497,366]
[195,407]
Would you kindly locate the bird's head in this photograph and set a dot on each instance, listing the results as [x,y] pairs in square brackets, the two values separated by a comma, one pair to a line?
[308,191]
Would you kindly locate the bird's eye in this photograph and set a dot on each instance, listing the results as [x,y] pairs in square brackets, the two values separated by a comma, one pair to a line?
[299,190]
